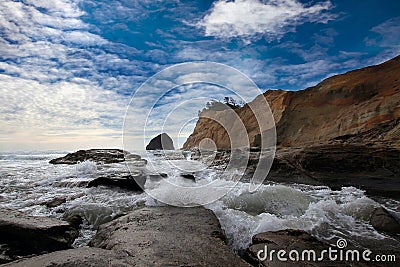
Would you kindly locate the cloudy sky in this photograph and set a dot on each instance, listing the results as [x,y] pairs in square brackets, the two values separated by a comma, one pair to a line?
[68,68]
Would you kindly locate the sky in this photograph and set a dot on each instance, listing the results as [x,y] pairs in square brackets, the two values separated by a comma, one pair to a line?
[69,68]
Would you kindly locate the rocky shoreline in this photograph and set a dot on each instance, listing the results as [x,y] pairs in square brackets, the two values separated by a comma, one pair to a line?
[170,236]
[144,237]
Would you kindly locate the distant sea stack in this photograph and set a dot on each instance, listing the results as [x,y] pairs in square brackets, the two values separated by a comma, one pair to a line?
[358,106]
[161,142]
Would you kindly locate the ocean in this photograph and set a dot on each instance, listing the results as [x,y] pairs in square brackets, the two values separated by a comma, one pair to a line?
[28,182]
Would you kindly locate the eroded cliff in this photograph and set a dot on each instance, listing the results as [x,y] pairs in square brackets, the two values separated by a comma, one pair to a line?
[361,105]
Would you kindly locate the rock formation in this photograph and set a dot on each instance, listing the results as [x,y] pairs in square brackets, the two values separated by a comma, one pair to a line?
[344,131]
[161,142]
[361,104]
[102,156]
[23,235]
[383,221]
[126,182]
[146,237]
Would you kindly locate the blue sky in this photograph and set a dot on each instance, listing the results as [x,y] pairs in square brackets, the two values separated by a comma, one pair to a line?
[68,68]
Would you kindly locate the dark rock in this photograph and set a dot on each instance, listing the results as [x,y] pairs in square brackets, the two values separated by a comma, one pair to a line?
[84,256]
[161,142]
[168,236]
[188,176]
[54,202]
[74,220]
[103,156]
[373,168]
[23,235]
[126,182]
[383,221]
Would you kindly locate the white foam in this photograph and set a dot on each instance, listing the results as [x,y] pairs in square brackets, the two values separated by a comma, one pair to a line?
[86,167]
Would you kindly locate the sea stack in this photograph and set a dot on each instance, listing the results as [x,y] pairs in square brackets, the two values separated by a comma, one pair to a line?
[161,142]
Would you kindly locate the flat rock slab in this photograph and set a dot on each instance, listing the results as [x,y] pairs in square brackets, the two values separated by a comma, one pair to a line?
[84,256]
[21,234]
[168,236]
[103,156]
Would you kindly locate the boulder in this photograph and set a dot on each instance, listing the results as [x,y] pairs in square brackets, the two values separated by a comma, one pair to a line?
[102,156]
[129,182]
[161,142]
[126,182]
[22,235]
[75,220]
[188,176]
[383,221]
[150,238]
[84,256]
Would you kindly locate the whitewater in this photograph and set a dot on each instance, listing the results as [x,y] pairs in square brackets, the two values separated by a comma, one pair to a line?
[28,182]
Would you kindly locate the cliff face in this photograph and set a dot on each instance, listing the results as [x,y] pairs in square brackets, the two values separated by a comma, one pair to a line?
[361,105]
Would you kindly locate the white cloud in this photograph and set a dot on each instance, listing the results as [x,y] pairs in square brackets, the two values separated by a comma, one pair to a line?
[58,109]
[250,19]
[388,34]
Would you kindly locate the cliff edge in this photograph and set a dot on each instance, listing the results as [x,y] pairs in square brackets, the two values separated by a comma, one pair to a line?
[360,105]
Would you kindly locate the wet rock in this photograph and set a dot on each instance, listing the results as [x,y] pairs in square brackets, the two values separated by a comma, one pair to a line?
[102,156]
[161,142]
[74,220]
[83,256]
[22,235]
[54,202]
[126,182]
[188,176]
[383,221]
[168,236]
[373,168]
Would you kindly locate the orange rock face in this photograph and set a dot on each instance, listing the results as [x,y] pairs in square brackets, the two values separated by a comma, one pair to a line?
[349,105]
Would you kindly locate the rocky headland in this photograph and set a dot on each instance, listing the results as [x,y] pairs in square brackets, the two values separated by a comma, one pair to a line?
[345,131]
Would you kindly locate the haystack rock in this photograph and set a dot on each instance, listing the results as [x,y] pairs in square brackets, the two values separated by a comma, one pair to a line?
[161,142]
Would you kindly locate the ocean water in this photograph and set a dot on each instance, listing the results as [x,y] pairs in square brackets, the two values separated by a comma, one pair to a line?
[28,181]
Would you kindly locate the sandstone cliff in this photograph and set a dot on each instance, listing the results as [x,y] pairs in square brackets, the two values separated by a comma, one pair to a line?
[361,105]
